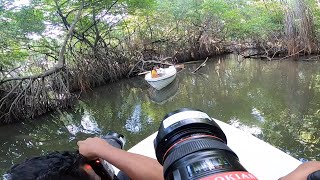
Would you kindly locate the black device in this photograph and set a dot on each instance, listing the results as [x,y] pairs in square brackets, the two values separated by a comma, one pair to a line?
[314,176]
[191,145]
[102,167]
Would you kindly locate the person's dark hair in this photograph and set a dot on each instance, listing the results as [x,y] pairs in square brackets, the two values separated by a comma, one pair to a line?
[54,166]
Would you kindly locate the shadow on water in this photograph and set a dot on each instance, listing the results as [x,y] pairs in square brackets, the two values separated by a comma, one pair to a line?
[276,101]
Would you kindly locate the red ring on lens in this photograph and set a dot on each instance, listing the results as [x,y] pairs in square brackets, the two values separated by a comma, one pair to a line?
[184,139]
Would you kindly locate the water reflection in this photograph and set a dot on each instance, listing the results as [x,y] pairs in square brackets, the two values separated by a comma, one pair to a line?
[254,130]
[257,114]
[89,124]
[133,124]
[71,126]
[165,94]
[276,101]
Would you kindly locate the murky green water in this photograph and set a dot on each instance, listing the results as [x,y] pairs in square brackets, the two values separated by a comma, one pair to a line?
[278,102]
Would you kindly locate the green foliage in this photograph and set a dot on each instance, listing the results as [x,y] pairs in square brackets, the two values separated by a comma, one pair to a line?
[315,8]
[241,20]
[137,4]
[254,21]
[29,20]
[16,25]
[135,23]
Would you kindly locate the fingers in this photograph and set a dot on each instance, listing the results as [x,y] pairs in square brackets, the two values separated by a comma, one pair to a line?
[86,141]
[79,143]
[89,146]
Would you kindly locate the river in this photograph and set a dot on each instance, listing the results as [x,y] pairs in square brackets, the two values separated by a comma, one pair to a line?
[278,102]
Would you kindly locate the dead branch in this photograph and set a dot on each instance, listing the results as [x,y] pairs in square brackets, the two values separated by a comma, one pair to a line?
[201,65]
[313,57]
[292,54]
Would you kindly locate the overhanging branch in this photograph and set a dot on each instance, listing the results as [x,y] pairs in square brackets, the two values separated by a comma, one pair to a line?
[61,59]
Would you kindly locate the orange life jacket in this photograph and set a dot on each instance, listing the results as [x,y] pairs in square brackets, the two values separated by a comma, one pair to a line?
[154,74]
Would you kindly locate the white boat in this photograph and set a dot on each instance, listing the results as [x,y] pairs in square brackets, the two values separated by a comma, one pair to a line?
[258,157]
[166,76]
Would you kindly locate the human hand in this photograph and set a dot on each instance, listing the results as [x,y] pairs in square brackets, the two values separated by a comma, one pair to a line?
[91,147]
[303,171]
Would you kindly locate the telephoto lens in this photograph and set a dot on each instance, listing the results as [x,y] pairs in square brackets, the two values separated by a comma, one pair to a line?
[103,168]
[115,139]
[191,145]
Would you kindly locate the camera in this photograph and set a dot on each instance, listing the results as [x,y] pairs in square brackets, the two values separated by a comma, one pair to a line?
[103,168]
[191,145]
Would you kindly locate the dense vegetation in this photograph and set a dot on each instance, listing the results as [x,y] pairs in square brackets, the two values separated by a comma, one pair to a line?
[51,48]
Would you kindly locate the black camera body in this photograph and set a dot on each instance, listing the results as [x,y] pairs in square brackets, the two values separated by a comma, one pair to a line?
[102,167]
[191,145]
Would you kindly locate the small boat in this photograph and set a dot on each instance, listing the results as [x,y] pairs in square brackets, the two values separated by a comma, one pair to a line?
[258,157]
[166,76]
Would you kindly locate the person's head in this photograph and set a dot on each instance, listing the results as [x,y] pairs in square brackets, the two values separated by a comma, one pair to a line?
[54,166]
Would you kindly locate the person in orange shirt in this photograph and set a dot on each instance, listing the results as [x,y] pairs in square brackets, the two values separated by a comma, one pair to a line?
[154,73]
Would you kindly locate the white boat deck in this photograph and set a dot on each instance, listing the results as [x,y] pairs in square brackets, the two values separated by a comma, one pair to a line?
[258,157]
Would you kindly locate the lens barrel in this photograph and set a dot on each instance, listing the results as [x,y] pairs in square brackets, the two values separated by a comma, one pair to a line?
[115,139]
[191,145]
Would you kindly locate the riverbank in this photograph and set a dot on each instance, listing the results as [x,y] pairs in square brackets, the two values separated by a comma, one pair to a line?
[30,98]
